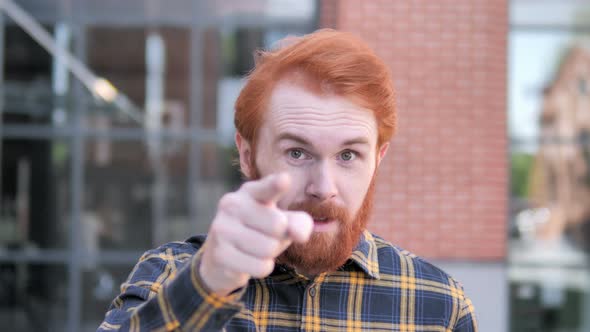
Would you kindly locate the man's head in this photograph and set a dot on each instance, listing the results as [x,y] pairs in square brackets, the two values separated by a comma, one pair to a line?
[320,108]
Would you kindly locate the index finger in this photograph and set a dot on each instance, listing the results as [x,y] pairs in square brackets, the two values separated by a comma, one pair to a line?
[269,189]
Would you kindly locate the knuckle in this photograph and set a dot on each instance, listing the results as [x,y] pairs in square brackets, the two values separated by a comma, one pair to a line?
[264,268]
[213,230]
[266,248]
[246,186]
[278,222]
[226,234]
[220,228]
[227,202]
[268,266]
[272,246]
[218,257]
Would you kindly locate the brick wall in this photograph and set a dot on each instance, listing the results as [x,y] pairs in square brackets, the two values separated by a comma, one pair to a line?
[442,190]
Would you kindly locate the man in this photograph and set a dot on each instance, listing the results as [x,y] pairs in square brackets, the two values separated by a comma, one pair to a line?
[289,250]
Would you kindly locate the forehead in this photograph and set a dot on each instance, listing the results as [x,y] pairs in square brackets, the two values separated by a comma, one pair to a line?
[295,109]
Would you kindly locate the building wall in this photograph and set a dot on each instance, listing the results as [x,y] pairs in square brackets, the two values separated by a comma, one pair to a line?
[485,284]
[442,191]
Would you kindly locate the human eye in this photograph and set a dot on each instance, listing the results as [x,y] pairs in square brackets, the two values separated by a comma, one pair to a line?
[297,154]
[348,155]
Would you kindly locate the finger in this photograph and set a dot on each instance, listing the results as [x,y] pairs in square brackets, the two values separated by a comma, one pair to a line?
[270,221]
[266,219]
[238,261]
[284,244]
[269,189]
[300,226]
[255,243]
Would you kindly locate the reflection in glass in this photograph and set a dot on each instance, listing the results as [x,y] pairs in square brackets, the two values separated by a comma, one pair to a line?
[32,297]
[151,66]
[100,285]
[142,185]
[35,186]
[27,75]
[549,271]
[135,200]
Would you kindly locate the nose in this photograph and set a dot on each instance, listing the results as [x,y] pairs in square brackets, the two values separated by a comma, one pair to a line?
[321,185]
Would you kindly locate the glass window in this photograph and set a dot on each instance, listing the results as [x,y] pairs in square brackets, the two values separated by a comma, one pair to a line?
[549,113]
[35,202]
[123,145]
[100,285]
[33,296]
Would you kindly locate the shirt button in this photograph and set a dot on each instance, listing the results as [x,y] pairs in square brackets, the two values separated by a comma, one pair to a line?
[312,291]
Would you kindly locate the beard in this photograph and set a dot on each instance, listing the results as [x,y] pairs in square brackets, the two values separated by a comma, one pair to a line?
[324,251]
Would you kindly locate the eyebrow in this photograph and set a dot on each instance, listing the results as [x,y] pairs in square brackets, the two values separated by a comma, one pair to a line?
[293,137]
[358,140]
[303,141]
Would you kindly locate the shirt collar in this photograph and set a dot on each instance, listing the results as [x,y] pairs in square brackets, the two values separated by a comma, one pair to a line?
[365,255]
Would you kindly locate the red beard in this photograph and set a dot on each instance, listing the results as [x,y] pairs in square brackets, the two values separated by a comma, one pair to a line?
[325,252]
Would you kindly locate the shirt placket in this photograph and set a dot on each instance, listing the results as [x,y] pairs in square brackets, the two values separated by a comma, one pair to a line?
[311,315]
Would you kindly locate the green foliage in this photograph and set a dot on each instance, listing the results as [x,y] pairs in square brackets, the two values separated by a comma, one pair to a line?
[520,168]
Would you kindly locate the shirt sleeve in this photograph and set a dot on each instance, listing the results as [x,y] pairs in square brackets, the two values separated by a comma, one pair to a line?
[467,321]
[158,296]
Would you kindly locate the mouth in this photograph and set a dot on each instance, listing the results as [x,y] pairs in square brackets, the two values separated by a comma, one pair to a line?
[324,224]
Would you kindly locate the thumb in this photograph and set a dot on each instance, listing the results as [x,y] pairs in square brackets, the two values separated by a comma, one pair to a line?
[300,226]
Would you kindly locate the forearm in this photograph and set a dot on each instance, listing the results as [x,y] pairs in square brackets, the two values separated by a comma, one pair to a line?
[178,301]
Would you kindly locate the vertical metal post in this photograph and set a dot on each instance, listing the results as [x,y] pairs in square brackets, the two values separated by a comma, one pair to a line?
[196,105]
[155,54]
[2,94]
[78,145]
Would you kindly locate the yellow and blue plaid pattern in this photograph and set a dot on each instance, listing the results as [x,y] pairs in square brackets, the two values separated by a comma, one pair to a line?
[380,288]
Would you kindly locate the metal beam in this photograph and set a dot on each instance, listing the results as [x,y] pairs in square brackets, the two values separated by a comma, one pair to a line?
[559,28]
[97,85]
[63,256]
[2,96]
[113,134]
[77,143]
[196,104]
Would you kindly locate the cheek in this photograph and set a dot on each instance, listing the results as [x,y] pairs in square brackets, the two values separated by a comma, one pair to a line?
[353,189]
[267,160]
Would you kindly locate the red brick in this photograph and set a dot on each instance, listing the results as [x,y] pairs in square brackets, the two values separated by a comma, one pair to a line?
[442,190]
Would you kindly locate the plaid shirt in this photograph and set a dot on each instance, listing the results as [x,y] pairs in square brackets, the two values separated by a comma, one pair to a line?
[380,288]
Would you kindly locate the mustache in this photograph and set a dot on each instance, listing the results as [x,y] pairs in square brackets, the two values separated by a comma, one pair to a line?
[327,210]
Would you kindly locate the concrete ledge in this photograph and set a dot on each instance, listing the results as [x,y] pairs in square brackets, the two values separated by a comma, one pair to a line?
[486,283]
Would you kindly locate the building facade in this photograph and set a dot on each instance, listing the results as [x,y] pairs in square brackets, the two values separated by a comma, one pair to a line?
[118,137]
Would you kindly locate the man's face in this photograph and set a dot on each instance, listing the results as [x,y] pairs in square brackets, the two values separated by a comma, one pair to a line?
[328,145]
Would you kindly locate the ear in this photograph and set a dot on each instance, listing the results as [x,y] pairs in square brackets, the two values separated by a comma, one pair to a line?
[382,152]
[245,154]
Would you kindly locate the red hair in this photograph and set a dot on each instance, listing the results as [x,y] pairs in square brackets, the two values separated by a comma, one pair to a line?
[335,59]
